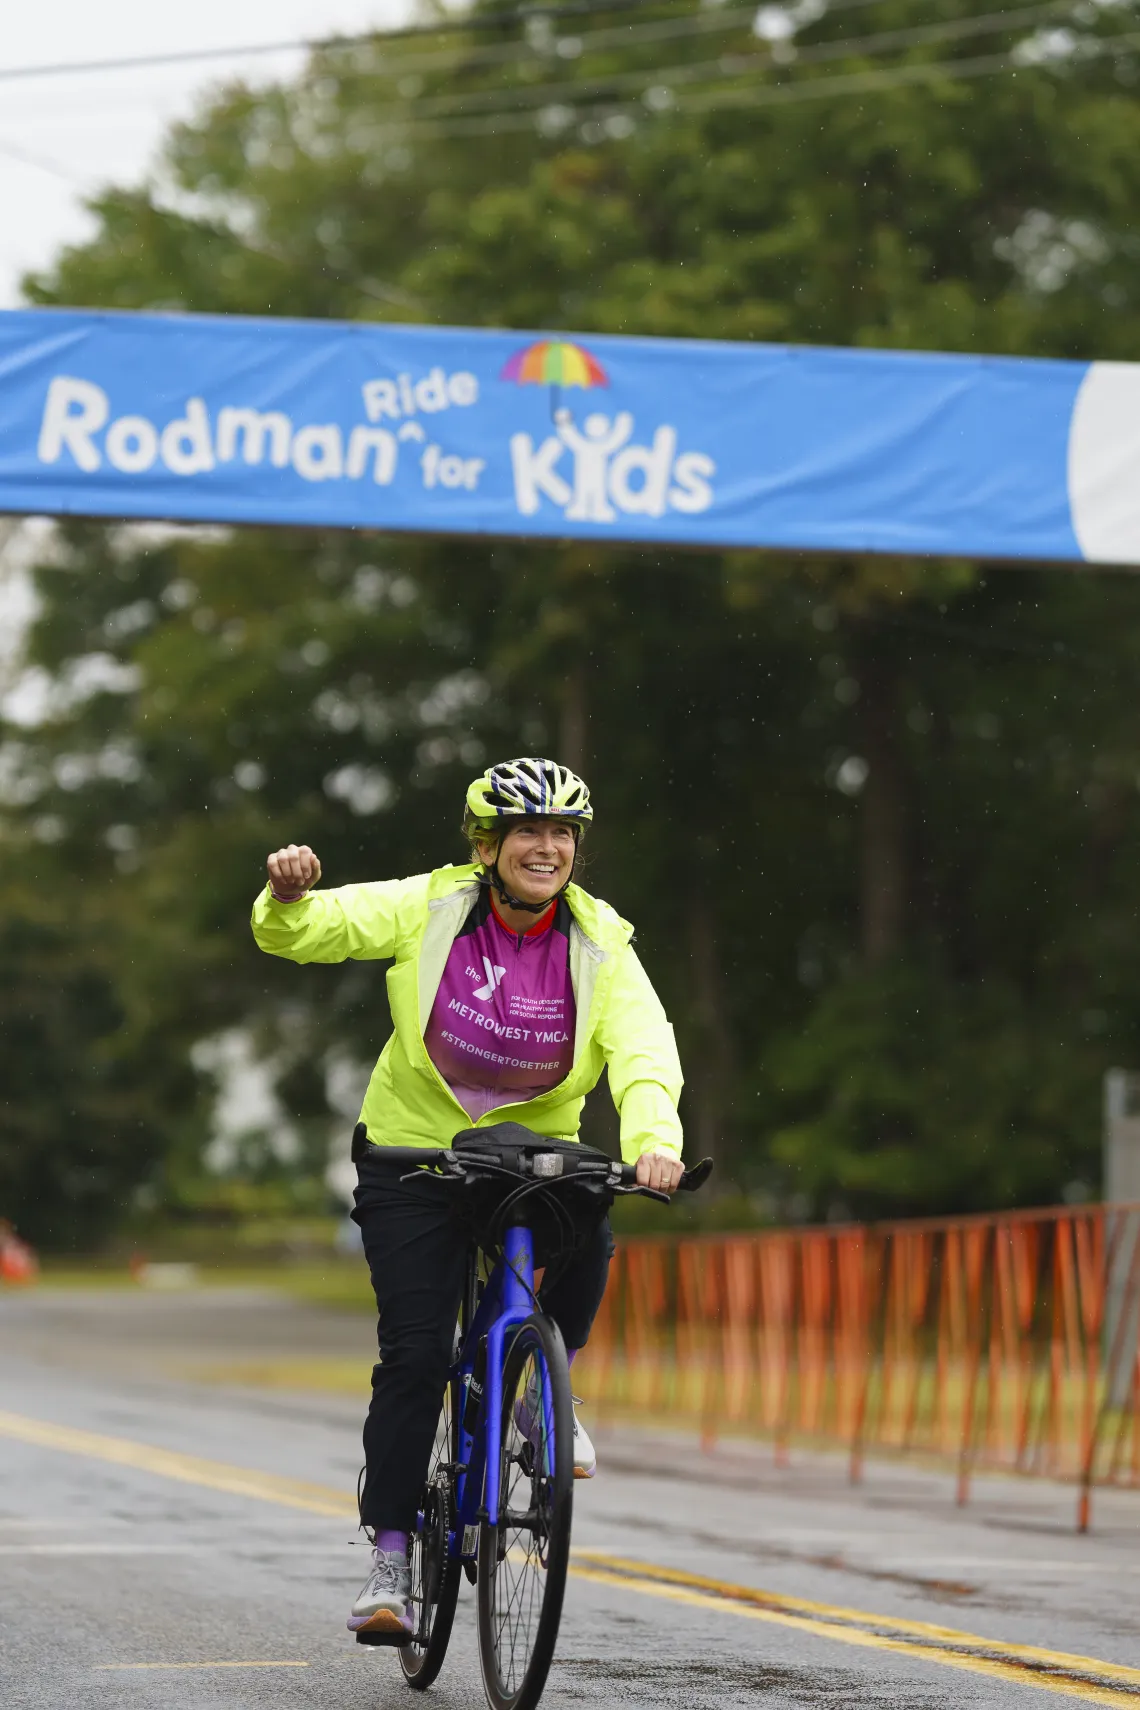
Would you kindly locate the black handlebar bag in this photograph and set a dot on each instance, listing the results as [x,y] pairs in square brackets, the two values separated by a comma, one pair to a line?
[559,1204]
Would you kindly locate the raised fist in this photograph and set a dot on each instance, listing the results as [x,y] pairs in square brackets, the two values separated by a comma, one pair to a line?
[293,871]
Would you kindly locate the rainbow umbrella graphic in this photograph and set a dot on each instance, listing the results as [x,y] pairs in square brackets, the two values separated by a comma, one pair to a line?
[554,363]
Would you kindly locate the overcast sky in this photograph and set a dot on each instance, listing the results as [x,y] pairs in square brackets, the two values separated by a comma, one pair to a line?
[64,136]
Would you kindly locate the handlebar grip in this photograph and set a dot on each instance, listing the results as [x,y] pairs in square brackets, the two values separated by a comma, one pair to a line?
[409,1154]
[689,1182]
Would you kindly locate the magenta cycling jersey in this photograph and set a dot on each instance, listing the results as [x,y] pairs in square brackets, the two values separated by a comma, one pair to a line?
[502,1024]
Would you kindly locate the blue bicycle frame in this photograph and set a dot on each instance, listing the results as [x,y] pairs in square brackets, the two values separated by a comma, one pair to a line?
[508,1300]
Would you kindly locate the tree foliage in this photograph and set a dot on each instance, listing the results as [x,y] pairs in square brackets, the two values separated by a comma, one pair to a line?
[876,820]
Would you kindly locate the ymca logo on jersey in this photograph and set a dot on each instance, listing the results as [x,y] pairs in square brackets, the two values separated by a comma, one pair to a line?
[494,976]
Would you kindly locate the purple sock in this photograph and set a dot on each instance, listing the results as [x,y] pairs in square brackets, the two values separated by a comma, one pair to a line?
[395,1543]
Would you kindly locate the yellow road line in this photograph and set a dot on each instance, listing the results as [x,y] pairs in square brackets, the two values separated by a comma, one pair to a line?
[1071,1661]
[1074,1676]
[992,1665]
[118,1668]
[188,1469]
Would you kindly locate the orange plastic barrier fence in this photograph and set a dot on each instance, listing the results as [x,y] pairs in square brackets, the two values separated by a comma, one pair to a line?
[1006,1342]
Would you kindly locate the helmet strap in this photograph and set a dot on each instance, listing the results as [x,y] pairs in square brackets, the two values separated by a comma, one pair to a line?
[494,883]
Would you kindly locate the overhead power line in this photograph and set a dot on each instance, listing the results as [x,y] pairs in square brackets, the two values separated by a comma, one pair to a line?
[719,22]
[41,163]
[939,70]
[407,32]
[148,61]
[925,35]
[729,67]
[421,113]
[768,95]
[722,21]
[512,109]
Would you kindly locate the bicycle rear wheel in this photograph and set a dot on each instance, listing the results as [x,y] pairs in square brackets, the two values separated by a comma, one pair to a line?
[523,1560]
[435,1576]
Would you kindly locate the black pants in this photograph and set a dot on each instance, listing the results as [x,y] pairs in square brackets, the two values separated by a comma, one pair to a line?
[416,1248]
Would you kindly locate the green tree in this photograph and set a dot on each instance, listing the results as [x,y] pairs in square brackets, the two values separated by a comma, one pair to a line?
[803,811]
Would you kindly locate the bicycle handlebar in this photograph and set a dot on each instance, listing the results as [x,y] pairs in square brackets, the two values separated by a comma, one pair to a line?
[621,1177]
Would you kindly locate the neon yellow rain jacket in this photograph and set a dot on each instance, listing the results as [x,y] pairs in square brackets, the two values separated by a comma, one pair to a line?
[621,1025]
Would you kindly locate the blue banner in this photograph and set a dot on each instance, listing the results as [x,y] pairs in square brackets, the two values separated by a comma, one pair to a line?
[467,431]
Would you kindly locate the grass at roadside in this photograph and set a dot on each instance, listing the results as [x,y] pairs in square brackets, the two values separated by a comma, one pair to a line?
[330,1377]
[339,1284]
[344,1286]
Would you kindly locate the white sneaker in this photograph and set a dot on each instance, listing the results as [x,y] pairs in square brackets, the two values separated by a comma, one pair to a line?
[585,1460]
[385,1602]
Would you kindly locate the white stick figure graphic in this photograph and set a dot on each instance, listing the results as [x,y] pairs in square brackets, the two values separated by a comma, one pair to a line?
[592,450]
[494,978]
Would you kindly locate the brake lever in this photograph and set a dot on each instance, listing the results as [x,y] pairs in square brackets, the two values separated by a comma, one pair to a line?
[696,1177]
[647,1192]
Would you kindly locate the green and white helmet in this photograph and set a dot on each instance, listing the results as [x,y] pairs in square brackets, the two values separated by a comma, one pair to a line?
[539,789]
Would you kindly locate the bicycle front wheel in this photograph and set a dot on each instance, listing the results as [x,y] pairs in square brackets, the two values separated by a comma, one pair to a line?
[435,1574]
[523,1559]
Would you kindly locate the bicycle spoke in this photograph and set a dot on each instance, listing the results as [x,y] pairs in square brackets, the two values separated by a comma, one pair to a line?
[440,1455]
[523,1560]
[520,1575]
[429,1569]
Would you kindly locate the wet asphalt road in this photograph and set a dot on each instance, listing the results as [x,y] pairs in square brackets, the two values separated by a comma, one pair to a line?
[106,1565]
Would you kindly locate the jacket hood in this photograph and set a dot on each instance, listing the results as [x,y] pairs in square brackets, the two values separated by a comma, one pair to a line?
[601,923]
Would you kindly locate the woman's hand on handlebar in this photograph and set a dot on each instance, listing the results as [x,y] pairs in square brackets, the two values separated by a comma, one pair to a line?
[292,871]
[659,1170]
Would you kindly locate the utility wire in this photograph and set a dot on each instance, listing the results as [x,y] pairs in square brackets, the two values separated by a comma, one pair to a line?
[24,157]
[422,114]
[146,62]
[511,118]
[817,88]
[921,35]
[407,32]
[721,21]
[419,114]
[773,95]
[423,109]
[734,65]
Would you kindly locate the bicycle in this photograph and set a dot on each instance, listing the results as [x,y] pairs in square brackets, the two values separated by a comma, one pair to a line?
[497,1501]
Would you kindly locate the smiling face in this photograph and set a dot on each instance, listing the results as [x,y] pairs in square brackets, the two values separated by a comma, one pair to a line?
[535,856]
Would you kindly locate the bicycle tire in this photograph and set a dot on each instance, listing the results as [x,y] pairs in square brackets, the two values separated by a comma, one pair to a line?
[511,1590]
[422,1658]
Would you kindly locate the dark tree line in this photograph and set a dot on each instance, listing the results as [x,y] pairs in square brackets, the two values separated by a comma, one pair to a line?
[877,821]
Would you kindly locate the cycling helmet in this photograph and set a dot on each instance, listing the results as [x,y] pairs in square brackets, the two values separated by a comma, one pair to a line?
[540,788]
[526,788]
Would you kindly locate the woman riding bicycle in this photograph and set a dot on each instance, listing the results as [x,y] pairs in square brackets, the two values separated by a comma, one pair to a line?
[511,991]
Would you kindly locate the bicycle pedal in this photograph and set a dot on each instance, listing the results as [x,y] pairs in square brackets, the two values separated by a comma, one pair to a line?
[364,1637]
